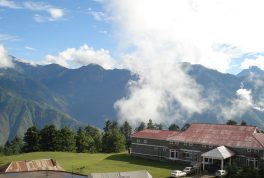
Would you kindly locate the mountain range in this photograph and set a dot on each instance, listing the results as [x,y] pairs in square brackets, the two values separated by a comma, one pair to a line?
[52,94]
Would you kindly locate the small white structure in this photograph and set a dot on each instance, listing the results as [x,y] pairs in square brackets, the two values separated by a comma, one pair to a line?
[219,153]
[129,174]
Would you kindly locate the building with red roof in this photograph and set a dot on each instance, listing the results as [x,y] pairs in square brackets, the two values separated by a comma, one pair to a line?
[203,144]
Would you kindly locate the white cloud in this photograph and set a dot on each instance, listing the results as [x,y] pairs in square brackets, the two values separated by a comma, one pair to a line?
[192,27]
[84,55]
[5,60]
[7,37]
[259,62]
[30,48]
[241,105]
[56,13]
[99,15]
[9,4]
[155,35]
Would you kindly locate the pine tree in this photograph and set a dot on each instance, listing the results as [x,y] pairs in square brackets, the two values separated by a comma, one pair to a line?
[141,126]
[150,125]
[16,145]
[126,130]
[65,140]
[174,127]
[48,139]
[31,139]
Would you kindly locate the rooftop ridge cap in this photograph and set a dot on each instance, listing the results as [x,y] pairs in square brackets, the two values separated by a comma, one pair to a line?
[204,123]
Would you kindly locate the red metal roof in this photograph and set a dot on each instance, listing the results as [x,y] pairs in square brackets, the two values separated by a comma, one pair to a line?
[154,134]
[34,165]
[219,134]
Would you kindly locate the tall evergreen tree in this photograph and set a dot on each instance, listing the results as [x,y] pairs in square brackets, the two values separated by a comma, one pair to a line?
[174,127]
[65,140]
[243,123]
[31,139]
[231,122]
[16,145]
[141,126]
[126,130]
[150,124]
[7,148]
[185,127]
[96,136]
[83,141]
[48,138]
[113,140]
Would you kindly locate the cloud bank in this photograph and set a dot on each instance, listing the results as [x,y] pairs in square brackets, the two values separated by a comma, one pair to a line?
[5,60]
[154,36]
[259,62]
[84,55]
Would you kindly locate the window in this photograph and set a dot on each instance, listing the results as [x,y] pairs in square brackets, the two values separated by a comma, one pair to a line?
[138,140]
[145,141]
[173,154]
[187,154]
[171,142]
[248,150]
[252,163]
[185,144]
[256,151]
[210,146]
[204,146]
[190,144]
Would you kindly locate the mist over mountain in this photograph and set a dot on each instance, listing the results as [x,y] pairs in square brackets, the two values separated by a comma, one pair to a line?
[52,94]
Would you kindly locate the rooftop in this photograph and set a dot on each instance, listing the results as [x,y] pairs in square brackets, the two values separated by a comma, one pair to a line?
[220,134]
[33,165]
[154,134]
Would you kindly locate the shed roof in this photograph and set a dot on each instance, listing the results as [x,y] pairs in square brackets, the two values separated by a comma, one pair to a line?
[154,134]
[219,134]
[129,174]
[33,165]
[220,152]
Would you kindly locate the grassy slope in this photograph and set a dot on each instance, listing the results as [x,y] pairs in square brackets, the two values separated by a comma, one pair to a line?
[100,162]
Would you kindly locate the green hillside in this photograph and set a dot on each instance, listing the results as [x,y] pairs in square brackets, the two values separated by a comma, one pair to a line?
[99,162]
[18,114]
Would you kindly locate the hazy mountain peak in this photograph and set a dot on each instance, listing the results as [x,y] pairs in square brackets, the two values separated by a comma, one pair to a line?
[251,70]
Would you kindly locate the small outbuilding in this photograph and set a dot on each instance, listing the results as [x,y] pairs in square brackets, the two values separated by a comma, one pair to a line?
[32,165]
[129,174]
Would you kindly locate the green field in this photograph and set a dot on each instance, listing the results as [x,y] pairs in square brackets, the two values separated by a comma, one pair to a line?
[100,162]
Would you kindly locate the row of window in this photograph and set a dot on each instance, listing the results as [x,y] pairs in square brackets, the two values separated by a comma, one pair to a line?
[251,150]
[190,144]
[144,141]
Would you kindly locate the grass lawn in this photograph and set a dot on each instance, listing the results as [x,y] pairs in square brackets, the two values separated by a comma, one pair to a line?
[100,162]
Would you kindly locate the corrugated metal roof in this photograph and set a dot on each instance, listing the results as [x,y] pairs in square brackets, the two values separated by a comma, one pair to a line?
[154,134]
[220,152]
[219,134]
[33,165]
[129,174]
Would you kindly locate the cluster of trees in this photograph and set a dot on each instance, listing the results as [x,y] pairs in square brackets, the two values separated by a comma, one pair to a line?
[90,139]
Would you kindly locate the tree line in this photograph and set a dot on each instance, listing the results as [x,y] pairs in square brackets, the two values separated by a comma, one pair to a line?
[113,138]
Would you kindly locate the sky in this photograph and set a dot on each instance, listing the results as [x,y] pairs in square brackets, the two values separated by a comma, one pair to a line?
[148,37]
[223,35]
